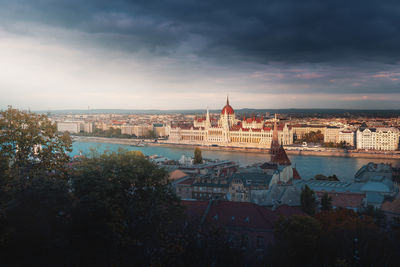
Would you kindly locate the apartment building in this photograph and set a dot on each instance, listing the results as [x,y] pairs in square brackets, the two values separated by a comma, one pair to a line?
[378,138]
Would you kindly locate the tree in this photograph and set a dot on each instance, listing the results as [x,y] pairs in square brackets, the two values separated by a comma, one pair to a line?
[326,178]
[150,134]
[377,214]
[29,144]
[326,202]
[35,223]
[307,198]
[198,159]
[313,137]
[296,241]
[124,209]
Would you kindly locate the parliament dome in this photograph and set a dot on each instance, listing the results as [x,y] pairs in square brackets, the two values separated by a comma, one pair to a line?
[228,109]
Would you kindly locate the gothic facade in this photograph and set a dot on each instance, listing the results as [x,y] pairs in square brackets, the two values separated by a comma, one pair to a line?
[230,131]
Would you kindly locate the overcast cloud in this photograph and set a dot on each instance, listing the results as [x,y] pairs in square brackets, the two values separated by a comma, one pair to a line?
[183,54]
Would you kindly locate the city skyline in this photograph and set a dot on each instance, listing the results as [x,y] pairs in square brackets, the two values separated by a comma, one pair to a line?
[190,55]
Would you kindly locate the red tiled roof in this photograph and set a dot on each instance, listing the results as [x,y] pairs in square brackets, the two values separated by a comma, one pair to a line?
[280,156]
[239,214]
[288,211]
[195,209]
[236,127]
[344,199]
[177,174]
[187,181]
[393,206]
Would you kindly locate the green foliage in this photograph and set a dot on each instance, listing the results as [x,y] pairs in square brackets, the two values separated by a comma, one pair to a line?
[312,137]
[308,200]
[342,144]
[198,159]
[35,221]
[297,238]
[115,133]
[326,202]
[29,144]
[127,199]
[117,209]
[334,238]
[377,214]
[151,134]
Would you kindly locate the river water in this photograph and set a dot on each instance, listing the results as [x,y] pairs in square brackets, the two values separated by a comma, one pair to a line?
[307,166]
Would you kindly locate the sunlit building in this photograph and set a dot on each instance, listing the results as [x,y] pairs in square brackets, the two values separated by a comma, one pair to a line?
[230,131]
[378,138]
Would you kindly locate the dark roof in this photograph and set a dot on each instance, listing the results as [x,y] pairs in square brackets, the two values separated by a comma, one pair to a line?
[344,199]
[238,215]
[280,156]
[392,207]
[296,174]
[253,178]
[187,181]
[269,165]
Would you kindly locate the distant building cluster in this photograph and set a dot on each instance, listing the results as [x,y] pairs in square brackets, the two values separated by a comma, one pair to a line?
[224,180]
[75,126]
[256,132]
[131,125]
[226,128]
[276,184]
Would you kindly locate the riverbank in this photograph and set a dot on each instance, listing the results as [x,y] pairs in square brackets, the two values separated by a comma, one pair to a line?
[343,154]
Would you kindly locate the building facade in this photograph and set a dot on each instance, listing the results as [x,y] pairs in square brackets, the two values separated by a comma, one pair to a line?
[299,131]
[75,126]
[230,131]
[332,134]
[378,138]
[347,137]
[137,130]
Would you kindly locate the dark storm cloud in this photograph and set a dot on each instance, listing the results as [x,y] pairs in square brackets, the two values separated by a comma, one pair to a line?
[290,31]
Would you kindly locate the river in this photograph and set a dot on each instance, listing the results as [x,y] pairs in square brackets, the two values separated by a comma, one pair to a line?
[307,166]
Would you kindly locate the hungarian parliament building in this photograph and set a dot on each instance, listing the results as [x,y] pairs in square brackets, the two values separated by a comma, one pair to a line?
[228,130]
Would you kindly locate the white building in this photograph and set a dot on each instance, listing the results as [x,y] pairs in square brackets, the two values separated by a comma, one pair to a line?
[378,138]
[75,126]
[348,137]
[137,130]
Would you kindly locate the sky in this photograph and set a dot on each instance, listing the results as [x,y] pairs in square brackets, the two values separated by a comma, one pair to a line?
[191,54]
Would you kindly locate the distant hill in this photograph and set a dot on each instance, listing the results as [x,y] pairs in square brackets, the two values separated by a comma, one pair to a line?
[245,111]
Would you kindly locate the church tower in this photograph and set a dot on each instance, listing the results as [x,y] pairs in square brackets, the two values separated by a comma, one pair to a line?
[275,139]
[278,153]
